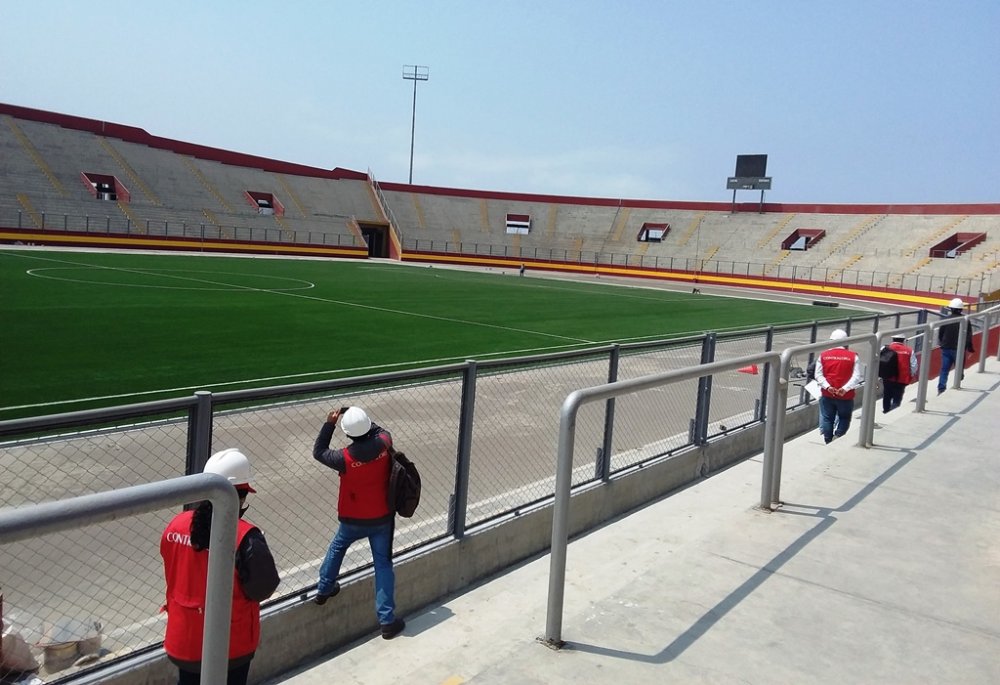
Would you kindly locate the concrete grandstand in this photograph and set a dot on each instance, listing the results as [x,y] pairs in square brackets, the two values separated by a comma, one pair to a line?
[174,189]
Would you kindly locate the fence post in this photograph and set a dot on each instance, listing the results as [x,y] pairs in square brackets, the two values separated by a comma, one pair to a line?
[813,334]
[773,428]
[984,342]
[964,331]
[761,409]
[602,469]
[199,432]
[704,399]
[998,344]
[459,503]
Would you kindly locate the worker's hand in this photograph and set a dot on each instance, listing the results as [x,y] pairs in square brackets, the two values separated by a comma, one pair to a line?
[333,416]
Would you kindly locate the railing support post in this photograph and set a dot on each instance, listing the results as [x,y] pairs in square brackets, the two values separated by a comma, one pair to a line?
[199,433]
[459,504]
[603,466]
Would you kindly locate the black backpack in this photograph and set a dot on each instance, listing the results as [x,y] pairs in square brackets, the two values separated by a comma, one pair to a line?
[404,485]
[888,363]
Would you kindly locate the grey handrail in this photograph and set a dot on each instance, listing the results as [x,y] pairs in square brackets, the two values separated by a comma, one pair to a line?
[964,331]
[777,398]
[564,462]
[865,434]
[25,522]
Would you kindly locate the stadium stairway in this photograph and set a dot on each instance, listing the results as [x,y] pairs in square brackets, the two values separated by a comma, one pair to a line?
[882,566]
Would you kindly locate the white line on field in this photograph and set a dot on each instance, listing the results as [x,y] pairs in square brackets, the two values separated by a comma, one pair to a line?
[203,386]
[322,299]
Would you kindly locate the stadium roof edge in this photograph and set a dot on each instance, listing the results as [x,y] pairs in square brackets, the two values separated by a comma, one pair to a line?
[134,134]
[776,207]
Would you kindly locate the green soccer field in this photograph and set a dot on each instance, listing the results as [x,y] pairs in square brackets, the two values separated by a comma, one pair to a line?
[86,329]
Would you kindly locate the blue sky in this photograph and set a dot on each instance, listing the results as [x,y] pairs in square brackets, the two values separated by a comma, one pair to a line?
[854,101]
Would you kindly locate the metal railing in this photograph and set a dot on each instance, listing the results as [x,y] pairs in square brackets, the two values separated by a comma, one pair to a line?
[774,420]
[971,286]
[30,522]
[117,225]
[456,420]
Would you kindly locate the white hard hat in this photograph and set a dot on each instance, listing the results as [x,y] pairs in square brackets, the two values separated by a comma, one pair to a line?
[957,303]
[232,464]
[355,422]
[838,334]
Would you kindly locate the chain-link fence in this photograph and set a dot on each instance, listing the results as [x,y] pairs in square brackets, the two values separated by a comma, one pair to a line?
[977,282]
[116,224]
[484,435]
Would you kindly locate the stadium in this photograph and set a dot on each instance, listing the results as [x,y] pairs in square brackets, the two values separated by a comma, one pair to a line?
[163,299]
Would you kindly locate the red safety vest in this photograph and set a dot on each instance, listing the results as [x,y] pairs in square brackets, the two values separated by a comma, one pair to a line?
[364,488]
[186,572]
[838,367]
[903,354]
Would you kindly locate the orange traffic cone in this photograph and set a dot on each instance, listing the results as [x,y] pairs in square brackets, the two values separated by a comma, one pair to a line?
[752,369]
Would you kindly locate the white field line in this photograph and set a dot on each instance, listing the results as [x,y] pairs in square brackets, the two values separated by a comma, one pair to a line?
[423,362]
[323,299]
[170,273]
[326,372]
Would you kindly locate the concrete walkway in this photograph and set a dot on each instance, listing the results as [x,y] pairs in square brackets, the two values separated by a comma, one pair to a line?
[883,566]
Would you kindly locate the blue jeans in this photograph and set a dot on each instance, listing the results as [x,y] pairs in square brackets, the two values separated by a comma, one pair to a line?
[834,410]
[947,361]
[380,541]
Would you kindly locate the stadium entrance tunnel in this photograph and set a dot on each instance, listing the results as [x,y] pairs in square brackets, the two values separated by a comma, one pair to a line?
[377,237]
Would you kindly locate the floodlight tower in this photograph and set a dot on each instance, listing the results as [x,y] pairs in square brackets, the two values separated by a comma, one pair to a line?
[413,72]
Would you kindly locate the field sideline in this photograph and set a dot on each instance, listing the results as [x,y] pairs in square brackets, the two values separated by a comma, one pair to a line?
[86,329]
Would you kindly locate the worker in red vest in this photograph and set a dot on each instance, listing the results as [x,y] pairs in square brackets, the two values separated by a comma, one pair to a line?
[838,372]
[893,386]
[362,508]
[184,548]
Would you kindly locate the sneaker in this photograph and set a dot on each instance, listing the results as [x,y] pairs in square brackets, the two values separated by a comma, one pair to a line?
[827,440]
[940,390]
[391,630]
[321,599]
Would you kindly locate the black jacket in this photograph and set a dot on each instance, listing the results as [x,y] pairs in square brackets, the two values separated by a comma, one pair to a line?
[948,337]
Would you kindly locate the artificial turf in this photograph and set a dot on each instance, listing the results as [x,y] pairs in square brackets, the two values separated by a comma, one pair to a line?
[85,329]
